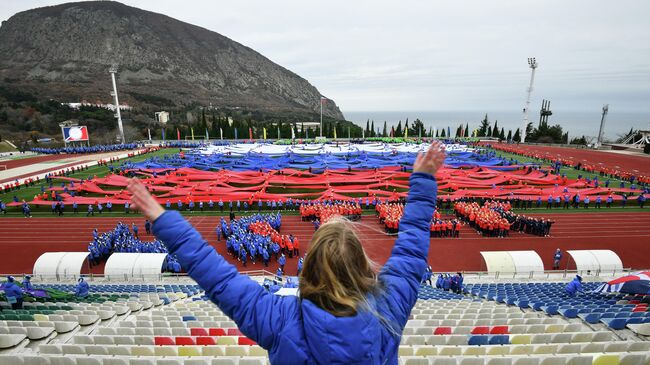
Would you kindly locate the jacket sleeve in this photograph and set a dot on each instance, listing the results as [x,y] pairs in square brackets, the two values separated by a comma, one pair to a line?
[258,313]
[404,269]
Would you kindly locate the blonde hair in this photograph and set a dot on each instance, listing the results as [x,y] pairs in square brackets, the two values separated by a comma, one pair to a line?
[337,275]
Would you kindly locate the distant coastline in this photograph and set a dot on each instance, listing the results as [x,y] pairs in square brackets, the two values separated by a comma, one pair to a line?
[576,123]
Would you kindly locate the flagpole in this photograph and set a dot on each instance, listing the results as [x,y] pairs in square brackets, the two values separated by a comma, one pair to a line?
[321,117]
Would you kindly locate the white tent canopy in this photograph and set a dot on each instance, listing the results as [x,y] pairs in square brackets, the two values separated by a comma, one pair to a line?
[127,265]
[61,265]
[596,260]
[513,262]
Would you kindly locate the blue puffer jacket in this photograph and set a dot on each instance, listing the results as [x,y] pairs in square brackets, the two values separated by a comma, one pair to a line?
[13,290]
[573,287]
[82,289]
[296,331]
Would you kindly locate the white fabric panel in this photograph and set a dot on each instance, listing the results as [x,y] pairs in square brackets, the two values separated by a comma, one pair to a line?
[527,261]
[47,264]
[498,261]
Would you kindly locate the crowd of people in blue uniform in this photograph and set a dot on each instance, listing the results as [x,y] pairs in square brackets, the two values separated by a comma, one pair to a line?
[87,149]
[126,239]
[447,282]
[16,293]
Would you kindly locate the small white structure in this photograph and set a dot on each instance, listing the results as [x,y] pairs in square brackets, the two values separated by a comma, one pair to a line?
[162,117]
[513,262]
[596,261]
[59,265]
[124,266]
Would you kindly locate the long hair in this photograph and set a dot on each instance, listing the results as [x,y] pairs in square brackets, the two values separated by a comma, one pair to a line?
[337,275]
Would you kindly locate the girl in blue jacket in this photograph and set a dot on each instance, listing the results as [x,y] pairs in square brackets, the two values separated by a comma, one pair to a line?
[345,312]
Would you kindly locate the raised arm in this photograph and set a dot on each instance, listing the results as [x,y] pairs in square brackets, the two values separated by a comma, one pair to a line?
[402,274]
[257,313]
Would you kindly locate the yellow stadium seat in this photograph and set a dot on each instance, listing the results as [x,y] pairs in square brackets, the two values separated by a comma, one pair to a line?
[606,360]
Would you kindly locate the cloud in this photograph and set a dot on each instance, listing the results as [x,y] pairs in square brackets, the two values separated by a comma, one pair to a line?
[419,55]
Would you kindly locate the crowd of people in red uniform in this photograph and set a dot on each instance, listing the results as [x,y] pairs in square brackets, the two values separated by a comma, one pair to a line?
[485,218]
[323,211]
[289,244]
[390,214]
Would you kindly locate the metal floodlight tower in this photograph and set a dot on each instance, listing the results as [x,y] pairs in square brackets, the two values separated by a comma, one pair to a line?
[599,142]
[532,63]
[113,71]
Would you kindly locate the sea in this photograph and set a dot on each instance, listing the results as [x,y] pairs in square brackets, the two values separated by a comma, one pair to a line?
[577,123]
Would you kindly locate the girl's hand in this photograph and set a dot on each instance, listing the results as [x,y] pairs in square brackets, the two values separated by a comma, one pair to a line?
[144,201]
[430,161]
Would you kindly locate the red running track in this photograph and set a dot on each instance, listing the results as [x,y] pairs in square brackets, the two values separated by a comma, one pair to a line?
[611,159]
[11,164]
[23,240]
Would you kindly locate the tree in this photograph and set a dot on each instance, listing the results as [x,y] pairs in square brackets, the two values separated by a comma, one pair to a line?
[489,132]
[516,137]
[398,130]
[458,131]
[418,128]
[437,135]
[580,141]
[372,129]
[406,127]
[467,130]
[483,128]
[495,129]
[442,134]
[502,135]
[368,128]
[509,138]
[384,133]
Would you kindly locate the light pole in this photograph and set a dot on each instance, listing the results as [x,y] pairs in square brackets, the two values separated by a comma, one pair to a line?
[113,71]
[532,63]
[599,142]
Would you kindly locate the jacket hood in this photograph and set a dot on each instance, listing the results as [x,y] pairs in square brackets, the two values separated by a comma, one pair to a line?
[341,340]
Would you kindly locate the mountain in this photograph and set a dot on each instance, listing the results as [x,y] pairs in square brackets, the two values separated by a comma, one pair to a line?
[63,52]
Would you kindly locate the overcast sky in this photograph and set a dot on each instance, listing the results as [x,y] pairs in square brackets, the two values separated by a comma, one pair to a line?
[434,55]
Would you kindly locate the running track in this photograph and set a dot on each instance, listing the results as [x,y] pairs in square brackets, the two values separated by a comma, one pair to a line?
[625,162]
[23,240]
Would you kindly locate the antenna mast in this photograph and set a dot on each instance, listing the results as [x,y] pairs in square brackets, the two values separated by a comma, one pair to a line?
[113,71]
[532,63]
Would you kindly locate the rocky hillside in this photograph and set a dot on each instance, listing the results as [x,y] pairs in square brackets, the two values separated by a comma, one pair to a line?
[64,52]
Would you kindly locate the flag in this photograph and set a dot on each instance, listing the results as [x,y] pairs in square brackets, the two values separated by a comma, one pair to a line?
[192,129]
[323,100]
[363,134]
[293,133]
[207,136]
[250,133]
[178,134]
[348,132]
[149,132]
[462,131]
[406,133]
[221,133]
[163,134]
[307,133]
[264,129]
[235,133]
[278,131]
[334,132]
[448,132]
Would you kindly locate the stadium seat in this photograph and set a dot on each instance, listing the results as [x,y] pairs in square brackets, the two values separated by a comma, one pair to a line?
[478,340]
[480,330]
[205,340]
[164,341]
[185,341]
[199,332]
[216,332]
[442,331]
[607,359]
[499,330]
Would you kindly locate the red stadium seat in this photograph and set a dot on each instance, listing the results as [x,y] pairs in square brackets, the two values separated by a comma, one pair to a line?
[481,330]
[185,341]
[499,330]
[640,308]
[245,341]
[217,332]
[205,341]
[442,331]
[199,332]
[234,332]
[164,341]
